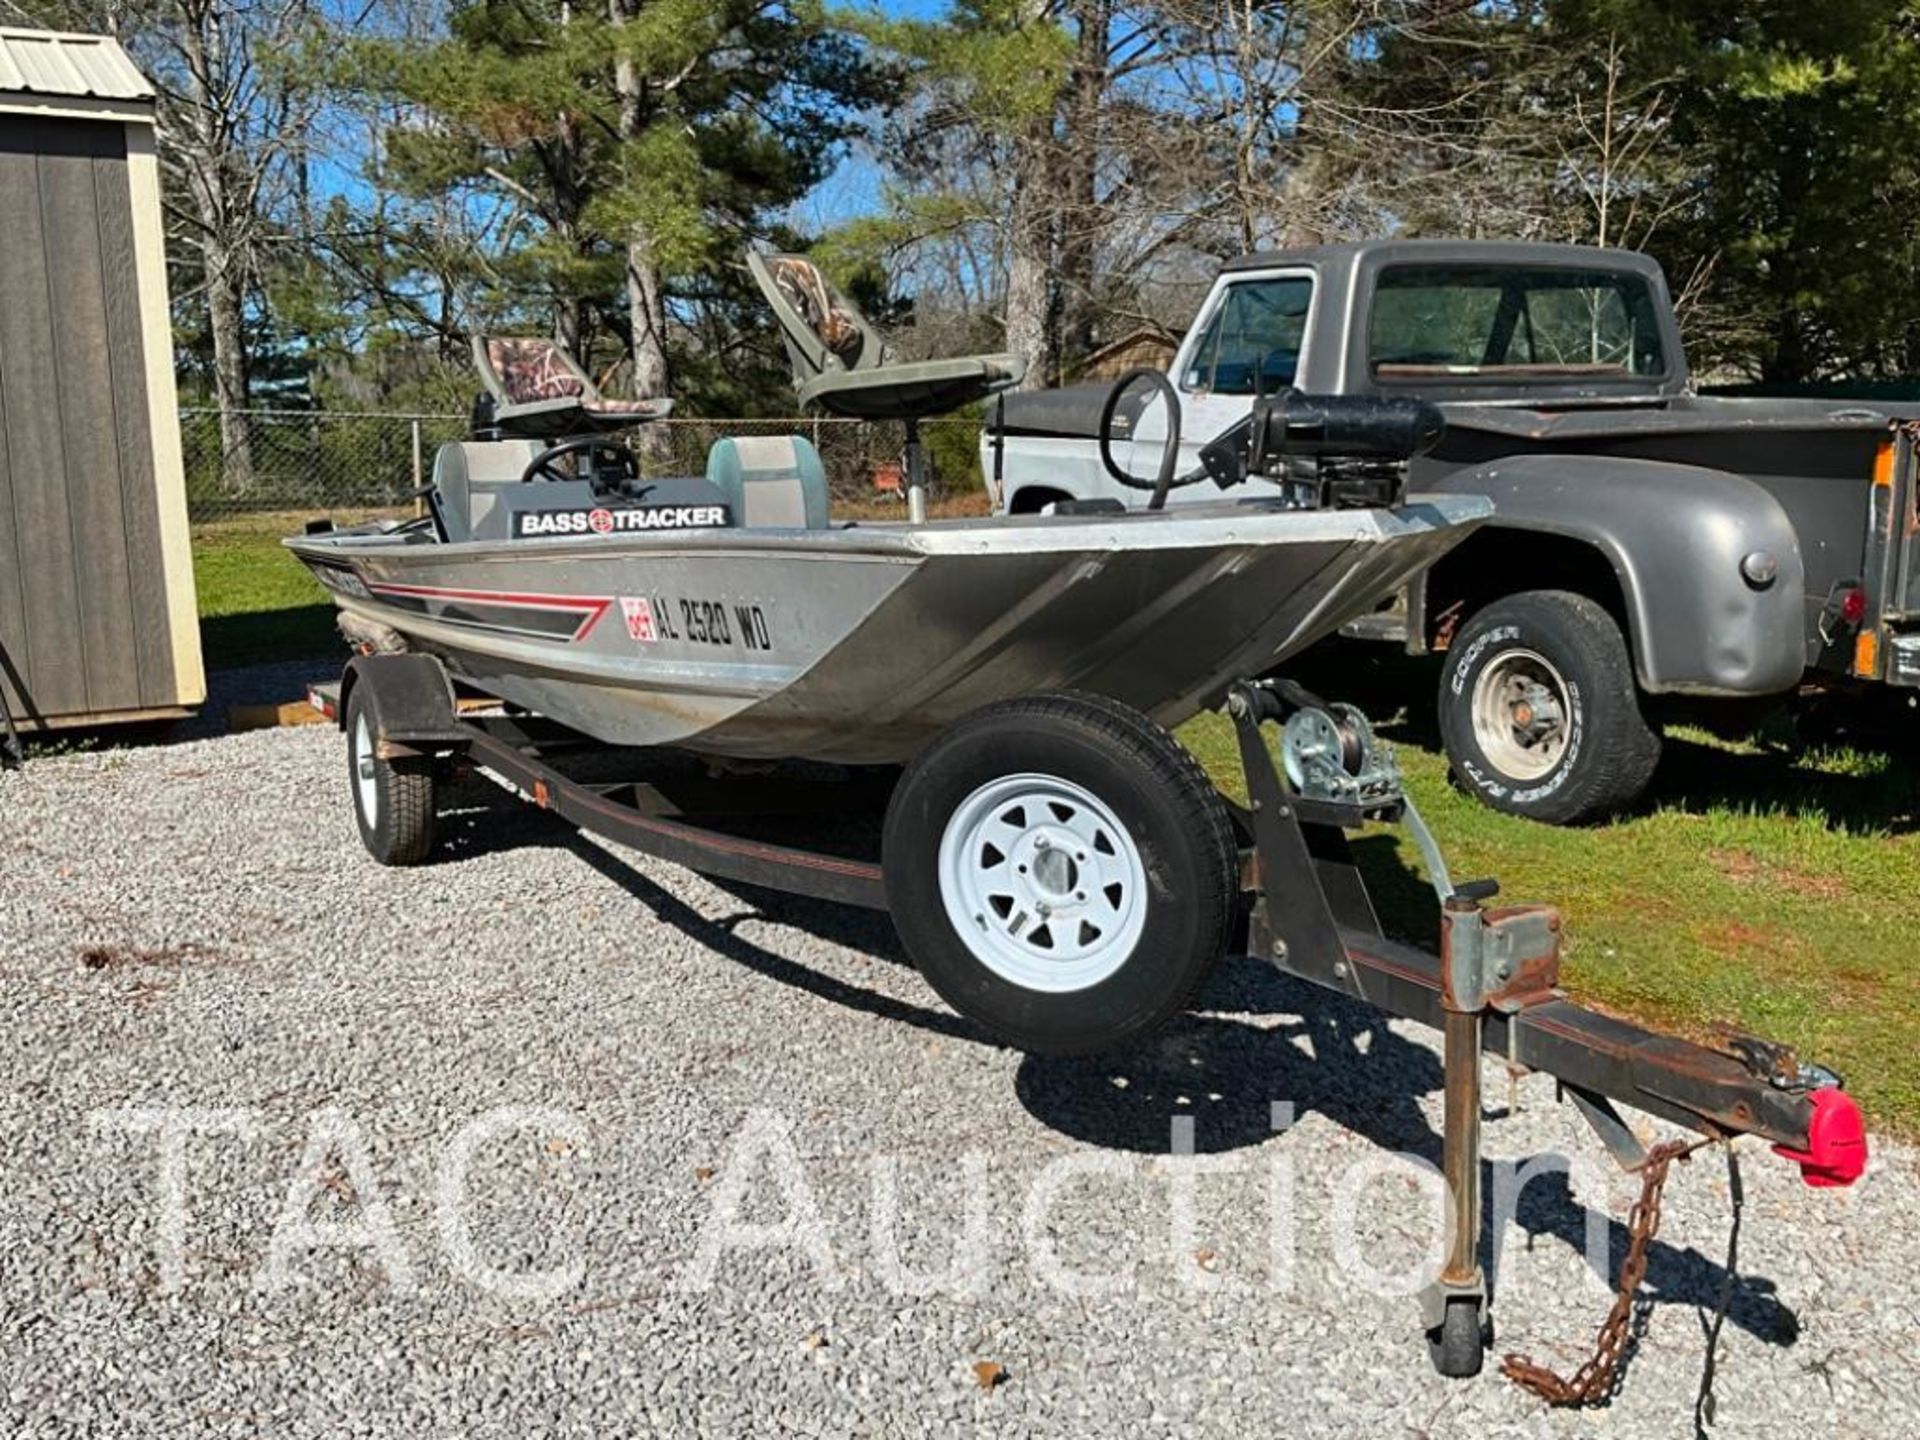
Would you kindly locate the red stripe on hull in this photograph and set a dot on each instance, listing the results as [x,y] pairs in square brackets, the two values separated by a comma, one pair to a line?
[589,607]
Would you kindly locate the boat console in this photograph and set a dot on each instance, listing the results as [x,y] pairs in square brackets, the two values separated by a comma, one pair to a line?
[544,462]
[519,487]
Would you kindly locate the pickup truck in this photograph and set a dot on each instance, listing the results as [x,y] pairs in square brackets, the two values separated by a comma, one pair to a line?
[1651,549]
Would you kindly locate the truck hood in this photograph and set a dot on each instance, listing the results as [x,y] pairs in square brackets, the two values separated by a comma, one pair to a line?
[1072,410]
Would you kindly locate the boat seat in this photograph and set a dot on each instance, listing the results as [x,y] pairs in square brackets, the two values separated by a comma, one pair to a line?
[770,480]
[840,365]
[540,391]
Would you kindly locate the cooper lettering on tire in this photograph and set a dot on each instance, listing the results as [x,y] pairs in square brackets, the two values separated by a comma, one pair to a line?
[1539,710]
[1061,871]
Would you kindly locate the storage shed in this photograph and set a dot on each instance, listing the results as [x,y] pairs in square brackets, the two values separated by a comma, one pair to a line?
[97,615]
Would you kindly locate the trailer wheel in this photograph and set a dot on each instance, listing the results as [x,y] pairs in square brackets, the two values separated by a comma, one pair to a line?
[1459,1346]
[393,800]
[1061,871]
[1540,713]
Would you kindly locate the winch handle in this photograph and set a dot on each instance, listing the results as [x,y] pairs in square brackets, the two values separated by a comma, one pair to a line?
[1277,698]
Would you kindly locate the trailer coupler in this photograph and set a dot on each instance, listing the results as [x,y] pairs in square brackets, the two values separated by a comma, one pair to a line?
[1493,988]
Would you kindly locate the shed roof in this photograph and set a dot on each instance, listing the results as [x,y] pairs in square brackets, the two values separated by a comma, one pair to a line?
[48,62]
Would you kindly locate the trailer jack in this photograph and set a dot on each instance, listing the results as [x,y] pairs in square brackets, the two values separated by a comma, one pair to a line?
[1493,988]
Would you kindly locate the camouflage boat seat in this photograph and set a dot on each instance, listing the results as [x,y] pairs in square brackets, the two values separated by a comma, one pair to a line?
[540,392]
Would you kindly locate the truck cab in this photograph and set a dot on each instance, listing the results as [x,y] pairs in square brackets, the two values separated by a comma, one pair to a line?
[1489,322]
[1650,545]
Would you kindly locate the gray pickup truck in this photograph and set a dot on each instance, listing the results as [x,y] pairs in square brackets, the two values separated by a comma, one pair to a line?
[1650,545]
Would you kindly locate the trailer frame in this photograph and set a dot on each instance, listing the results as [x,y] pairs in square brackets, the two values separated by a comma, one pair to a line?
[1493,988]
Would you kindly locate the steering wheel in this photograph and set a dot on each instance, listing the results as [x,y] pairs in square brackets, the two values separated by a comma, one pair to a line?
[545,466]
[1163,481]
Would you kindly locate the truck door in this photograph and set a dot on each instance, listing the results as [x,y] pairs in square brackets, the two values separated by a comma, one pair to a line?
[1247,341]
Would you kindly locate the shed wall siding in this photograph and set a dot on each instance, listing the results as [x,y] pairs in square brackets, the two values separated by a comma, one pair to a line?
[87,620]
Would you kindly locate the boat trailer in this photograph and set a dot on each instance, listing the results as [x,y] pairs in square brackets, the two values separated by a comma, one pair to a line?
[1493,989]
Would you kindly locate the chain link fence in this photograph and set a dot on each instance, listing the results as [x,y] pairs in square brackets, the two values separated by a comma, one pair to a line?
[255,464]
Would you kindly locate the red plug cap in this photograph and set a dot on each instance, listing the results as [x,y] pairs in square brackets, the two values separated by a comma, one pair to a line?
[1836,1152]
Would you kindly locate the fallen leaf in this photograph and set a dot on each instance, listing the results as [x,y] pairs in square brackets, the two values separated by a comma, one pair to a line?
[815,1341]
[987,1374]
[1207,1260]
[703,1173]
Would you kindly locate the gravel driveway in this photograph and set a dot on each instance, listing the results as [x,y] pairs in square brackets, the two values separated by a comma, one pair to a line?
[545,1139]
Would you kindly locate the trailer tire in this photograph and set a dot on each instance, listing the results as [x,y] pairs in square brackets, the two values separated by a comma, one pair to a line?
[1061,871]
[1557,659]
[394,801]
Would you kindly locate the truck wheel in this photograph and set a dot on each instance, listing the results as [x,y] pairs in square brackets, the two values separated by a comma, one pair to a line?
[1539,711]
[1061,871]
[393,800]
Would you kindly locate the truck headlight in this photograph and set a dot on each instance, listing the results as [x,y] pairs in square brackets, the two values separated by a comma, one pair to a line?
[1759,567]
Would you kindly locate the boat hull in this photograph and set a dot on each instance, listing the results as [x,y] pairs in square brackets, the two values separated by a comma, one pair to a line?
[857,644]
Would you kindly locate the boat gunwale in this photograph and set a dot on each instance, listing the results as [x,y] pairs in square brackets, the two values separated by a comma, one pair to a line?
[1227,523]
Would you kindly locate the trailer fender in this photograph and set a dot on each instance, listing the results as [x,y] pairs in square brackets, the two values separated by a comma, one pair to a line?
[410,699]
[1675,536]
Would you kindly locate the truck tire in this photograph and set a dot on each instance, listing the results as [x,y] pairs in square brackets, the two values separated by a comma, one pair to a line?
[394,801]
[1061,871]
[1539,711]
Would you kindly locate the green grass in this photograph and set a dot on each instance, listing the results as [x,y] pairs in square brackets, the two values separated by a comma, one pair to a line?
[257,603]
[1773,893]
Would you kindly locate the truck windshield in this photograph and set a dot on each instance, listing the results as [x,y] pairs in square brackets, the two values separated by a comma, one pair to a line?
[1513,323]
[1252,342]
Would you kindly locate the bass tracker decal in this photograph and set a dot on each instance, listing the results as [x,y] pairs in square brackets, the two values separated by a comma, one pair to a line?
[627,520]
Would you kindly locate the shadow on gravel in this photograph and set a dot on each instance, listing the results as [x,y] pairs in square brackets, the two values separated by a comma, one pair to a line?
[479,818]
[1340,1059]
[868,932]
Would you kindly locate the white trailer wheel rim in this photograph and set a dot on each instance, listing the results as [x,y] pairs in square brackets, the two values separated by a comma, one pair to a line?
[366,780]
[1042,883]
[1522,714]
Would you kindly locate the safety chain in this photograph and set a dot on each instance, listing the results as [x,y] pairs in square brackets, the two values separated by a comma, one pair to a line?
[1593,1383]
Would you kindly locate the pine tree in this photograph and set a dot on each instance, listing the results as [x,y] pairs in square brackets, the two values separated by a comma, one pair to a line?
[636,148]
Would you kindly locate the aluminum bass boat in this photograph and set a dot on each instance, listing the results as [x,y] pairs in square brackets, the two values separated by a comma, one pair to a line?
[856,642]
